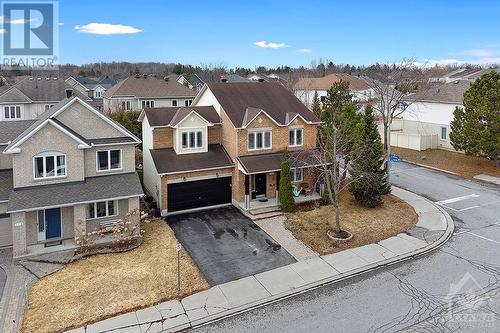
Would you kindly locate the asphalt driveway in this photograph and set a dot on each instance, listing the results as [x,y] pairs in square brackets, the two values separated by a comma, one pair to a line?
[226,245]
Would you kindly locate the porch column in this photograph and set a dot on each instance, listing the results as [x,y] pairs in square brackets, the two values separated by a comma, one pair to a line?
[79,222]
[19,246]
[247,192]
[135,214]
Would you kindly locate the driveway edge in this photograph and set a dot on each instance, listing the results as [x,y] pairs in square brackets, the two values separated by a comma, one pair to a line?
[239,296]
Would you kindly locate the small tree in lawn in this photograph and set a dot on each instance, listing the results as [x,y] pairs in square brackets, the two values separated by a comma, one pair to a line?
[285,190]
[475,128]
[369,177]
[316,105]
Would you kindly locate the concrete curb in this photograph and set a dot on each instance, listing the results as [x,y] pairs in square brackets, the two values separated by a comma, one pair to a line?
[430,167]
[424,208]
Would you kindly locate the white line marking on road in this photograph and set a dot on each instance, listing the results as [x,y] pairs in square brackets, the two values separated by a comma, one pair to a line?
[461,210]
[447,201]
[491,240]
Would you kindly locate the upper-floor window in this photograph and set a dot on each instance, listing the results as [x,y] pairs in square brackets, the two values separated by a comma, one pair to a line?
[126,105]
[48,106]
[98,94]
[188,102]
[322,99]
[295,137]
[259,140]
[49,165]
[109,160]
[12,112]
[174,102]
[148,104]
[192,139]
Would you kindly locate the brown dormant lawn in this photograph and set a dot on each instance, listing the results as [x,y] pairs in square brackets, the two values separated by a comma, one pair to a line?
[368,225]
[461,164]
[102,286]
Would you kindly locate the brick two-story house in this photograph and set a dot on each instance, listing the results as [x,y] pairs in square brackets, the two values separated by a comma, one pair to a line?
[69,171]
[227,147]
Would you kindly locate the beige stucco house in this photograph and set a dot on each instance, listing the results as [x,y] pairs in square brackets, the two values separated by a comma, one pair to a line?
[69,171]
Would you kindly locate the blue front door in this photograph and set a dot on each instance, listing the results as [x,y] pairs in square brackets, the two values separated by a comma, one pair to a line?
[53,223]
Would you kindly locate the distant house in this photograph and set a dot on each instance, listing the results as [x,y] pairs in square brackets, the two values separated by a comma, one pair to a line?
[426,122]
[95,89]
[462,74]
[144,91]
[196,81]
[305,88]
[30,97]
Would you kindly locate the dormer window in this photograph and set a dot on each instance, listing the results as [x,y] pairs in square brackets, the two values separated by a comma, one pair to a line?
[49,165]
[192,139]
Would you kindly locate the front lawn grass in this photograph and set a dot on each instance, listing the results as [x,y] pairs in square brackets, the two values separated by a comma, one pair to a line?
[102,286]
[368,225]
[461,164]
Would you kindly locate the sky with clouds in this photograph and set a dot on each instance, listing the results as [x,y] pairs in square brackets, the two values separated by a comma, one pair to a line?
[277,32]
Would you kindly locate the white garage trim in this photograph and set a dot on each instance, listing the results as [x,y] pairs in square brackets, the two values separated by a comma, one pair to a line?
[192,179]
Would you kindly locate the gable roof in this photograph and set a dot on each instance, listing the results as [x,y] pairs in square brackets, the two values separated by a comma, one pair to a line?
[149,87]
[241,99]
[171,116]
[452,92]
[41,90]
[324,83]
[9,130]
[49,117]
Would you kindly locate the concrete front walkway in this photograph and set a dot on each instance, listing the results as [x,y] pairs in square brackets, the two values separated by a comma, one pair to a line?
[434,227]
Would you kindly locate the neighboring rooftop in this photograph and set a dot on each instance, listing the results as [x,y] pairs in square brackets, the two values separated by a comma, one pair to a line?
[148,86]
[90,83]
[324,83]
[238,99]
[451,92]
[9,130]
[38,90]
[166,160]
[92,189]
[171,116]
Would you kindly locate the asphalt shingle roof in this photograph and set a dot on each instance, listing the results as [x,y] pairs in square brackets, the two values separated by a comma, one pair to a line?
[170,116]
[166,160]
[40,90]
[149,87]
[324,83]
[277,101]
[452,92]
[9,130]
[65,194]
[5,184]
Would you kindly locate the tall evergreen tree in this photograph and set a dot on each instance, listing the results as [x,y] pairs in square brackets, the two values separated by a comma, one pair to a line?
[475,128]
[369,178]
[316,105]
[285,190]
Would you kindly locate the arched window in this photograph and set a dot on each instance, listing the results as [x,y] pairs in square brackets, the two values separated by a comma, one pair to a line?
[50,164]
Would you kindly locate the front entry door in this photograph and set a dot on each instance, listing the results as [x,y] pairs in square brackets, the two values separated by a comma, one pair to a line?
[53,223]
[260,185]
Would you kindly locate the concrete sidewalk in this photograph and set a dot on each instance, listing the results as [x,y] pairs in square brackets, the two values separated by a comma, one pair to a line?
[433,229]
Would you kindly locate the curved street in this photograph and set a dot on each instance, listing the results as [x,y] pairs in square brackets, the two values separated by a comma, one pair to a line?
[452,289]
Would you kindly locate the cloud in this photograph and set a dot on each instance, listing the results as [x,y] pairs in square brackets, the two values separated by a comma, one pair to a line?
[60,24]
[106,29]
[482,53]
[270,45]
[2,31]
[305,50]
[16,21]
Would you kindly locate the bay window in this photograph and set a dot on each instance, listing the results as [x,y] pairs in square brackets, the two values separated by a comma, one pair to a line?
[49,165]
[295,137]
[259,140]
[109,160]
[102,209]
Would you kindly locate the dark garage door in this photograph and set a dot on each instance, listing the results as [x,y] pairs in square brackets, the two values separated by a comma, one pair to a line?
[201,193]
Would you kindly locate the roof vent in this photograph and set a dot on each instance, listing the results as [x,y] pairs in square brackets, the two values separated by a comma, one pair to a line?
[145,76]
[260,80]
[47,78]
[456,81]
[165,78]
[137,75]
[30,78]
[223,80]
[69,93]
[38,78]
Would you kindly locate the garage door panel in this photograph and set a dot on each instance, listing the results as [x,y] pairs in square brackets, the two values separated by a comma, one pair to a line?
[196,194]
[5,231]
